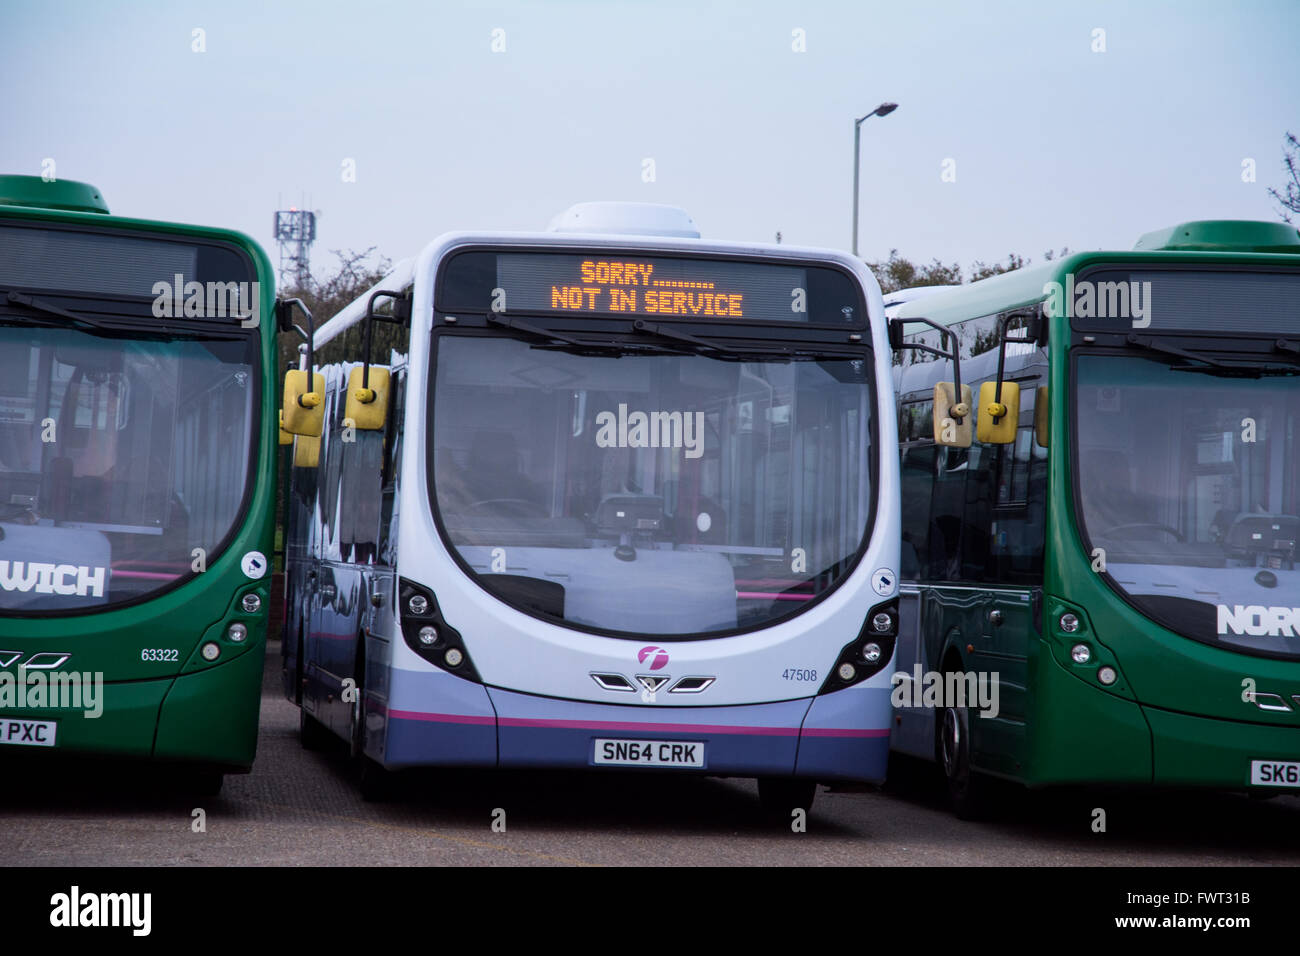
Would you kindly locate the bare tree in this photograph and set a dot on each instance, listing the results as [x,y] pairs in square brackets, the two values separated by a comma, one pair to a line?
[981,270]
[1289,197]
[898,273]
[354,274]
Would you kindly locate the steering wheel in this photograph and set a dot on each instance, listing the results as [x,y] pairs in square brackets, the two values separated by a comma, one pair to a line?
[1146,524]
[515,507]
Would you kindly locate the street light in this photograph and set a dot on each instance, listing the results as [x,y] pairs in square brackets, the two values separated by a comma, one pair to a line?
[884,109]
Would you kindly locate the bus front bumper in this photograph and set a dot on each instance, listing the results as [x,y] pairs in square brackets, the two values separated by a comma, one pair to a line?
[206,718]
[823,738]
[1190,751]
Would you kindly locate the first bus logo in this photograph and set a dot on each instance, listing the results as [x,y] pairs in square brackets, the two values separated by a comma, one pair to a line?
[657,656]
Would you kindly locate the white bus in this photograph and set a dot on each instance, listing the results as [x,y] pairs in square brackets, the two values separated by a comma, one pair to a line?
[622,499]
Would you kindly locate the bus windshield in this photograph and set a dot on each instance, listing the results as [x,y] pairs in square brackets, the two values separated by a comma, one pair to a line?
[120,458]
[659,494]
[1188,483]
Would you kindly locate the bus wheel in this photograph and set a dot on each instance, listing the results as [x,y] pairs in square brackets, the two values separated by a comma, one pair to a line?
[966,788]
[374,782]
[311,732]
[781,796]
[201,783]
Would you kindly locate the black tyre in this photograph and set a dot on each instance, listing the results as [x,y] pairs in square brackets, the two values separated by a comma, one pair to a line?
[967,789]
[201,783]
[312,734]
[781,796]
[375,783]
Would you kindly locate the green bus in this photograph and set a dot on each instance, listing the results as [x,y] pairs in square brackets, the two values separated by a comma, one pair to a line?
[1101,508]
[138,447]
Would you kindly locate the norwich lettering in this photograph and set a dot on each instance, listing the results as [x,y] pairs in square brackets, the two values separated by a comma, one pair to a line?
[42,578]
[1259,621]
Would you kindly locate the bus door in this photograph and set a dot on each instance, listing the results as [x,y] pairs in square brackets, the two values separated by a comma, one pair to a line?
[913,730]
[1006,493]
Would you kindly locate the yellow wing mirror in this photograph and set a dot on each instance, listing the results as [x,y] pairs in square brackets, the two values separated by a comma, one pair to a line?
[306,451]
[304,408]
[951,418]
[998,420]
[367,406]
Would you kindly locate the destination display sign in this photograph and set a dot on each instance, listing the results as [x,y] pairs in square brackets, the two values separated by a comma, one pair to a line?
[654,287]
[1181,300]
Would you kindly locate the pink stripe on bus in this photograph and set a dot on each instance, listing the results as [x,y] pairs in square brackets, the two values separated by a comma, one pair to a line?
[442,718]
[614,725]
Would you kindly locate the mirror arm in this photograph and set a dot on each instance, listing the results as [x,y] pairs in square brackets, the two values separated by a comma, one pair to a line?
[308,336]
[1003,322]
[949,339]
[371,319]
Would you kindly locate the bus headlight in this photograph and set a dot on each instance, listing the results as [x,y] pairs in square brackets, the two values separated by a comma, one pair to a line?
[210,651]
[869,652]
[1081,653]
[429,634]
[1069,622]
[237,633]
[251,603]
[1107,675]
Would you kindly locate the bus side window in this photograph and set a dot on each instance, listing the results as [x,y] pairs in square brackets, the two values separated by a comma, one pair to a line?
[387,549]
[976,534]
[917,471]
[1019,521]
[331,468]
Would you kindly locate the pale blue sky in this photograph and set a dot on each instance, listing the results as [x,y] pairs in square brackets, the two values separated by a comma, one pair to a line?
[1053,144]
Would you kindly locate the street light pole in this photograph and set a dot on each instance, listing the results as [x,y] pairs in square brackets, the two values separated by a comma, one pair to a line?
[884,109]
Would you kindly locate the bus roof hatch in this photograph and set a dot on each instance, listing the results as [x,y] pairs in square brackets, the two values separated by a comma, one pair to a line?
[1222,235]
[625,218]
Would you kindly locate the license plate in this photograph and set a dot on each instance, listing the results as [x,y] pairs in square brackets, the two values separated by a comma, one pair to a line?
[650,753]
[29,733]
[1274,773]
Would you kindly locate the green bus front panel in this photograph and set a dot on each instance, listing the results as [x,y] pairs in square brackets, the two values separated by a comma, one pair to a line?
[163,716]
[1179,712]
[1079,733]
[162,697]
[210,716]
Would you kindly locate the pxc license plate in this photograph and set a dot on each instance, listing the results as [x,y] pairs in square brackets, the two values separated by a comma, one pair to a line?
[650,753]
[1274,773]
[30,733]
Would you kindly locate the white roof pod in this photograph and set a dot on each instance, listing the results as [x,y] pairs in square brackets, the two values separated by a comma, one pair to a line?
[895,299]
[625,218]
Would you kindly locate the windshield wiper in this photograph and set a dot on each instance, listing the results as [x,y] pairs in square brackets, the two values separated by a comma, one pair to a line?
[40,305]
[660,331]
[1288,349]
[136,328]
[538,333]
[1209,365]
[749,351]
